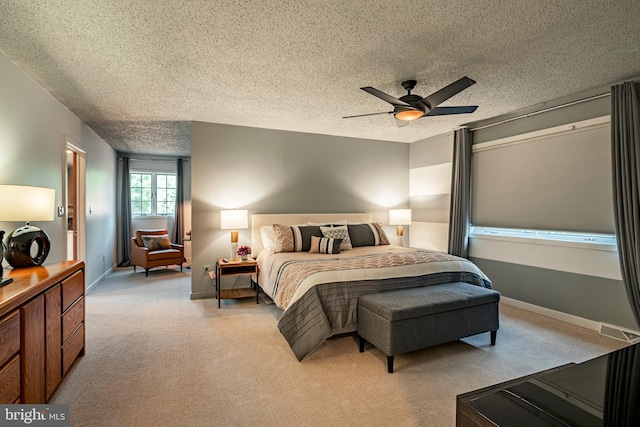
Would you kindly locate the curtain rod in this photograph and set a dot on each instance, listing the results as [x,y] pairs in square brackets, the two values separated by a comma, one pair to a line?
[580,101]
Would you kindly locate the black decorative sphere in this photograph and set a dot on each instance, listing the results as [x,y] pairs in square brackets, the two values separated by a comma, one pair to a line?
[20,242]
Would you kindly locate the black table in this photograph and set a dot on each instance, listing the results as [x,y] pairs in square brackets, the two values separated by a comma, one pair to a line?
[604,391]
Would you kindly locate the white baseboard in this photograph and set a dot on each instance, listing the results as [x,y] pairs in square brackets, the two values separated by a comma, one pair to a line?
[201,295]
[99,279]
[558,315]
[612,331]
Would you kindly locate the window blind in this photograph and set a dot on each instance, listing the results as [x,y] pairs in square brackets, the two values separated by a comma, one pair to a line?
[560,181]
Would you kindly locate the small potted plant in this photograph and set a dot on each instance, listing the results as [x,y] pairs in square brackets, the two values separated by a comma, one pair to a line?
[244,252]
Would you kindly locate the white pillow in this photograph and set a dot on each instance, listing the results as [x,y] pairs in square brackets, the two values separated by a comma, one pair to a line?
[339,232]
[268,237]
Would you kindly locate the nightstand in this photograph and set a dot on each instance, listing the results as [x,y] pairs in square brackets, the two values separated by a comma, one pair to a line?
[235,268]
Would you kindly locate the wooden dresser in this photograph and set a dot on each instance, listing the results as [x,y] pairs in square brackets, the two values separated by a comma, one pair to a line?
[41,330]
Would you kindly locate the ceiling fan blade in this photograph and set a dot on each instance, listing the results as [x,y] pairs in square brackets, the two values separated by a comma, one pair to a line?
[443,111]
[388,98]
[369,114]
[447,92]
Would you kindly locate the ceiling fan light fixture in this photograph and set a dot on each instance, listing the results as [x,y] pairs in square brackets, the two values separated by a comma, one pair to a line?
[408,115]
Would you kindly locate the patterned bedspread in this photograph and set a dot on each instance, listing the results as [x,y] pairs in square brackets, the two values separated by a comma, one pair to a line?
[319,294]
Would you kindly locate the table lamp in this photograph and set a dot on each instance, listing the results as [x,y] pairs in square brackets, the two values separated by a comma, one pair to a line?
[400,217]
[232,220]
[24,203]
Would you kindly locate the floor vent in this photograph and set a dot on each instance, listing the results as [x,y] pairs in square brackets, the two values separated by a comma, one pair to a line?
[620,334]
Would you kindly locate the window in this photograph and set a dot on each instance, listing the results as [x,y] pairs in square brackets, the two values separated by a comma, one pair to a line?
[153,193]
[166,194]
[563,236]
[549,185]
[559,180]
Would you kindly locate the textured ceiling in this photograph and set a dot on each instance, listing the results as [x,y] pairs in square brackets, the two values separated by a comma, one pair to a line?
[137,72]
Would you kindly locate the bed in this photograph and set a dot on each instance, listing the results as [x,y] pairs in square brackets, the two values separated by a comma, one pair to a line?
[307,268]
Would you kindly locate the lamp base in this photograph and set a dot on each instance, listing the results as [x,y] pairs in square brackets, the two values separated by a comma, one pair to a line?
[6,281]
[400,233]
[19,243]
[234,251]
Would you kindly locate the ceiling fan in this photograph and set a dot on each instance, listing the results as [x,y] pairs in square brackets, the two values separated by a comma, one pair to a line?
[410,107]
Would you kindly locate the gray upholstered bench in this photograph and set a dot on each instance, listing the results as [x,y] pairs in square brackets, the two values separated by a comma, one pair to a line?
[415,318]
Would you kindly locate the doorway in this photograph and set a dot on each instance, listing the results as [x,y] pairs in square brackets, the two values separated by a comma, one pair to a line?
[75,161]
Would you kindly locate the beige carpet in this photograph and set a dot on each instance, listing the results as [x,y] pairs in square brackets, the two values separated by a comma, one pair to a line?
[155,357]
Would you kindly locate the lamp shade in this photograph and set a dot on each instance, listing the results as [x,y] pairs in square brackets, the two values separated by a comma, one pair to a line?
[24,203]
[400,216]
[234,219]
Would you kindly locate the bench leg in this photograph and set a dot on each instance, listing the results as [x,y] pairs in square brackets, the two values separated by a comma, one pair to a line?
[390,364]
[361,344]
[493,337]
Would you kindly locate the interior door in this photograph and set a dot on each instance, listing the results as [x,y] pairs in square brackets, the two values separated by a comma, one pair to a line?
[75,201]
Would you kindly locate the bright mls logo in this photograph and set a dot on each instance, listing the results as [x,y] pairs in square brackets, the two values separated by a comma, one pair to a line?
[34,415]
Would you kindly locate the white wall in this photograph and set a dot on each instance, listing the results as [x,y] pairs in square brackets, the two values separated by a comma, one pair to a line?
[429,191]
[34,127]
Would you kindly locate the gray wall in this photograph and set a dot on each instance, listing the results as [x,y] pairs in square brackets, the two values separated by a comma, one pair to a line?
[600,295]
[595,298]
[33,130]
[269,171]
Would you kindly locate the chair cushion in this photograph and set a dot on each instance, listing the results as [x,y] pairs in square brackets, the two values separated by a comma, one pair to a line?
[426,300]
[164,254]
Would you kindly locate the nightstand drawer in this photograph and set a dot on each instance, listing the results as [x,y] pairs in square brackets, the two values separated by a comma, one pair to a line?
[10,381]
[72,318]
[71,348]
[9,336]
[72,288]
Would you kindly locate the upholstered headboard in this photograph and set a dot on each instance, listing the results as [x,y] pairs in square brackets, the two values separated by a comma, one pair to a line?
[260,220]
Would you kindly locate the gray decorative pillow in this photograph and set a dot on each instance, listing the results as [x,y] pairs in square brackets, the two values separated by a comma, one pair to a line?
[325,245]
[340,232]
[368,234]
[156,242]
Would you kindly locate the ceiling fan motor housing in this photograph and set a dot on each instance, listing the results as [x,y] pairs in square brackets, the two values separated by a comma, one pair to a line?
[408,85]
[413,100]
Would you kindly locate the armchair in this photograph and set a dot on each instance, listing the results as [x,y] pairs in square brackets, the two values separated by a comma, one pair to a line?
[148,251]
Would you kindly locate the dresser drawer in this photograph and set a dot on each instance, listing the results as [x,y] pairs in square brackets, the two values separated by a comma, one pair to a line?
[10,381]
[72,288]
[9,336]
[72,318]
[71,348]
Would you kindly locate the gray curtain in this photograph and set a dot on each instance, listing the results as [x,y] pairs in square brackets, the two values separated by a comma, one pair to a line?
[460,208]
[622,389]
[125,216]
[625,158]
[178,224]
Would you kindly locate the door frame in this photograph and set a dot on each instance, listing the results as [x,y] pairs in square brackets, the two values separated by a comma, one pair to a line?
[80,167]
